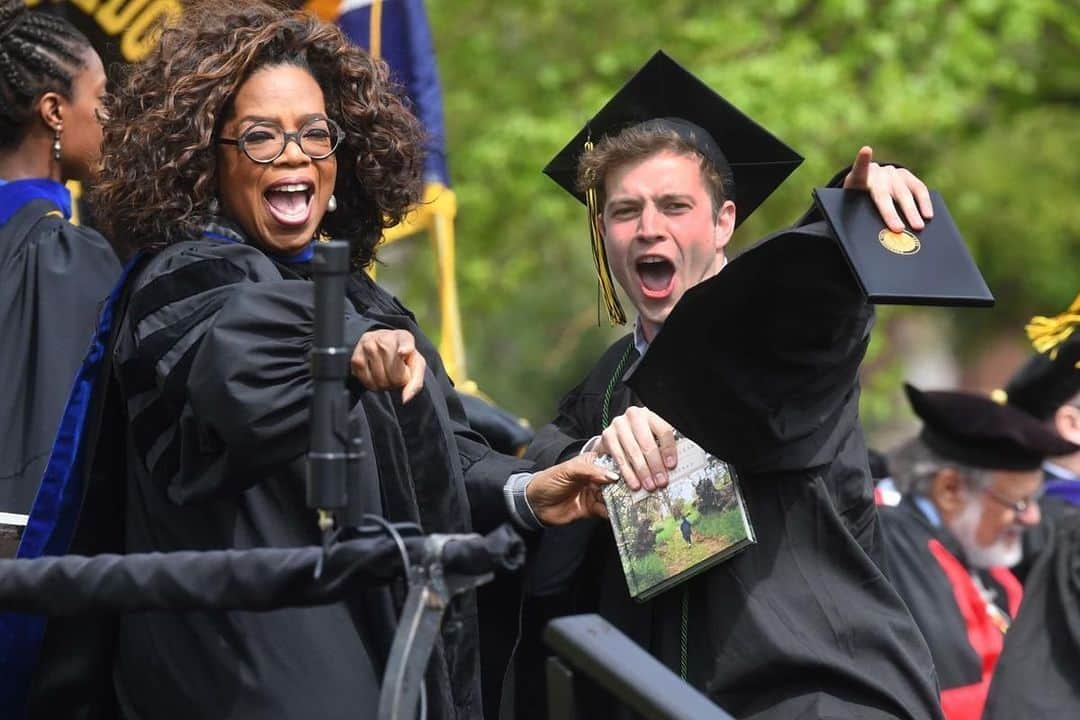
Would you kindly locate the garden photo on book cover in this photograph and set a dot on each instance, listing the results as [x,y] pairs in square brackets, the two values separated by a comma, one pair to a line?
[698,520]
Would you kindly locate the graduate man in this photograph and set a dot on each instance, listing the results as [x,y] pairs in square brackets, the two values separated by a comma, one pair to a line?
[974,479]
[803,624]
[1048,387]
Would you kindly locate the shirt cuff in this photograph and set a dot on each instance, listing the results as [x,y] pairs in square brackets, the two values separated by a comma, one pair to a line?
[518,504]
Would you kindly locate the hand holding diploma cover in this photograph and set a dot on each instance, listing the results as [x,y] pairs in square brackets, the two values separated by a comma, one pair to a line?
[928,266]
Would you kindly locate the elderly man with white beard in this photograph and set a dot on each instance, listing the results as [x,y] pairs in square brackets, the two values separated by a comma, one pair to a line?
[971,481]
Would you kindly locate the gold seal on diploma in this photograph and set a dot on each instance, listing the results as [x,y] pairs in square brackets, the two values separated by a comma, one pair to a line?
[901,243]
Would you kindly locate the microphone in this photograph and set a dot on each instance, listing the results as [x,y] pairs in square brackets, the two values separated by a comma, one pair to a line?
[326,489]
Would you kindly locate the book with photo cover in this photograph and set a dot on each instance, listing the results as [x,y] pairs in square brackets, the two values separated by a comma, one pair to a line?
[670,535]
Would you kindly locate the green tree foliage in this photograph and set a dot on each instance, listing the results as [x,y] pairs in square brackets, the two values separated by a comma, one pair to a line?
[635,519]
[644,541]
[711,498]
[979,97]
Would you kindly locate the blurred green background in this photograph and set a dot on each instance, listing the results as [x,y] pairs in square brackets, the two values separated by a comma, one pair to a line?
[979,97]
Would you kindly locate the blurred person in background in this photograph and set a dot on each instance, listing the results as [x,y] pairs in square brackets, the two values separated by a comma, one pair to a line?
[972,480]
[1036,676]
[53,275]
[1048,387]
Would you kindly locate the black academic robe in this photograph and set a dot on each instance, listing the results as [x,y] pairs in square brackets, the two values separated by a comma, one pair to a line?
[1053,510]
[1037,674]
[804,624]
[928,568]
[54,277]
[211,362]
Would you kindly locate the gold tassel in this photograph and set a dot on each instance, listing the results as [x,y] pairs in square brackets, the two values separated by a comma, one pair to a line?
[603,271]
[1048,334]
[375,36]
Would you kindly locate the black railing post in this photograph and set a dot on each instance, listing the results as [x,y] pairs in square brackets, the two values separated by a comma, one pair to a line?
[560,691]
[593,648]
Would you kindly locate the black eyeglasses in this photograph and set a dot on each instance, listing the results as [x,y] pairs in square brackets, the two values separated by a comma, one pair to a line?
[1017,506]
[264,142]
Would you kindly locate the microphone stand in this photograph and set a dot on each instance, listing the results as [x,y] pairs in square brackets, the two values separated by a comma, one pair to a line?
[332,438]
[336,490]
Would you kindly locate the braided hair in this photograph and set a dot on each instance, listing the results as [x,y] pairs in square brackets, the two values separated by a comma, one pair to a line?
[39,53]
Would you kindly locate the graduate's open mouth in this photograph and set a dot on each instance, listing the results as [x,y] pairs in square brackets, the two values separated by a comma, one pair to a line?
[289,201]
[656,274]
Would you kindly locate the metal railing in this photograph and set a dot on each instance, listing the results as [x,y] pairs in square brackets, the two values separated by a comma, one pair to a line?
[591,646]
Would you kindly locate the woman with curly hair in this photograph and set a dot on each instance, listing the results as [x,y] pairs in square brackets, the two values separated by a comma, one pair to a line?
[245,136]
[54,274]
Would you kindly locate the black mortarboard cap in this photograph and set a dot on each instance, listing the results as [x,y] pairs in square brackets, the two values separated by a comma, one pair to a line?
[1051,378]
[931,266]
[663,90]
[759,363]
[976,431]
[665,93]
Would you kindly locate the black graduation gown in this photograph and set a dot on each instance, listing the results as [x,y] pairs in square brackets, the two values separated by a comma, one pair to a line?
[54,277]
[211,362]
[928,568]
[803,624]
[1053,512]
[1037,674]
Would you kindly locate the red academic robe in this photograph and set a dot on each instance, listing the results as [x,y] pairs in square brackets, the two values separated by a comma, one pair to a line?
[964,631]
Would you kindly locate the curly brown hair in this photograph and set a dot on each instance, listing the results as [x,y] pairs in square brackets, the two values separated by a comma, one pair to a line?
[638,142]
[158,175]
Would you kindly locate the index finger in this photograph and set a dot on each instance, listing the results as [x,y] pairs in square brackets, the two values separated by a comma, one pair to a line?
[859,176]
[415,365]
[641,428]
[665,438]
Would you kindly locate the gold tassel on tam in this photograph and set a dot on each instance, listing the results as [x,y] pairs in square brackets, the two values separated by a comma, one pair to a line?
[603,271]
[1048,334]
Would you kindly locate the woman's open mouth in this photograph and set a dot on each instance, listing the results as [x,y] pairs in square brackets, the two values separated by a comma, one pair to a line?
[656,276]
[289,202]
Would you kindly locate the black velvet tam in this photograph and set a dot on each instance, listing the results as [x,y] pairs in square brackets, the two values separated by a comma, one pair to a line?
[975,430]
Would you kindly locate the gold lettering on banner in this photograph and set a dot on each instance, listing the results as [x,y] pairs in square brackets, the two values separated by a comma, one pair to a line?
[137,22]
[87,6]
[142,35]
[116,15]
